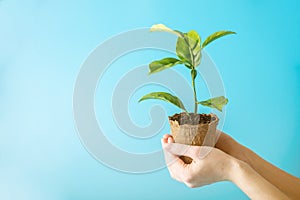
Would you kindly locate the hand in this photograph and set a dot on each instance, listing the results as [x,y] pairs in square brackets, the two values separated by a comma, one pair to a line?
[209,164]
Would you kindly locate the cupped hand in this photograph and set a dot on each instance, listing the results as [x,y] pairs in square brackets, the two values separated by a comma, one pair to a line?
[209,164]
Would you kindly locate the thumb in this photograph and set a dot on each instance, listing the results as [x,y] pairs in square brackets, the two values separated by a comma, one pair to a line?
[195,152]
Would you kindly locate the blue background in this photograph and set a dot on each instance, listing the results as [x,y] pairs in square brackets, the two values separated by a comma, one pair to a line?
[44,43]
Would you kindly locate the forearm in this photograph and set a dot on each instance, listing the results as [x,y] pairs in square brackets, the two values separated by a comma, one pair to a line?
[282,180]
[285,182]
[252,183]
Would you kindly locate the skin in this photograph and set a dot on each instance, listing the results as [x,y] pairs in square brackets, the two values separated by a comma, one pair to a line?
[223,163]
[285,182]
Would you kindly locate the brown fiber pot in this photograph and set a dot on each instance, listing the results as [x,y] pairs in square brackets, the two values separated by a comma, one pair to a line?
[202,132]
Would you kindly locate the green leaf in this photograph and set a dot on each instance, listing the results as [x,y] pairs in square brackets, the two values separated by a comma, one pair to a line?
[215,36]
[188,48]
[159,65]
[183,50]
[217,102]
[163,28]
[194,41]
[165,97]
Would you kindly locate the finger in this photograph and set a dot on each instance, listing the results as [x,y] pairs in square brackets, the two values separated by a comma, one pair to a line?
[174,164]
[167,135]
[165,138]
[171,140]
[181,149]
[169,157]
[165,141]
[195,152]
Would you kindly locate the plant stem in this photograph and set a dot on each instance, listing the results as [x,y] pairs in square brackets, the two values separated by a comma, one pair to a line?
[193,76]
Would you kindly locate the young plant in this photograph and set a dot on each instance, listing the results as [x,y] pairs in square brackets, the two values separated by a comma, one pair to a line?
[189,51]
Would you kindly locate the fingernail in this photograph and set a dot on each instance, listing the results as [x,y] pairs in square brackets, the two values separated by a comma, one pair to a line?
[169,140]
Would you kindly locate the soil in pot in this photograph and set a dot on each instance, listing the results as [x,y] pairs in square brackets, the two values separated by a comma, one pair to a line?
[194,129]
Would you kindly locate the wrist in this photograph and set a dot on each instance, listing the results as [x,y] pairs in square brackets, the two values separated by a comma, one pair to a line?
[237,169]
[243,153]
[240,152]
[228,145]
[247,156]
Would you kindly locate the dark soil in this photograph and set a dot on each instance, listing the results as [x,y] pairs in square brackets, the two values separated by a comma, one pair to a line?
[192,118]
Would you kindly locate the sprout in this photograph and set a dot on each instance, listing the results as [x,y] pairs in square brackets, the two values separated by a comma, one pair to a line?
[189,51]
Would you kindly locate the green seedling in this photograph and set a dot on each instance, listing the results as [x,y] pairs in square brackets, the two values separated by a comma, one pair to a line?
[189,52]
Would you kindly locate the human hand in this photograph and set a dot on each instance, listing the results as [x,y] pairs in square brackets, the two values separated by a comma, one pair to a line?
[209,164]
